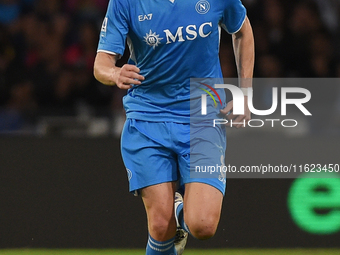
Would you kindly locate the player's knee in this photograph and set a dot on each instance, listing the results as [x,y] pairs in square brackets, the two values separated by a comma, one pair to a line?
[203,228]
[161,228]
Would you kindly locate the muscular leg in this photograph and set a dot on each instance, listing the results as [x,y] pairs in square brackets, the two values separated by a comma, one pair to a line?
[159,205]
[202,209]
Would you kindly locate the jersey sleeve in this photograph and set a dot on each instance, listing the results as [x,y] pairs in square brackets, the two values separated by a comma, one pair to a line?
[114,29]
[233,16]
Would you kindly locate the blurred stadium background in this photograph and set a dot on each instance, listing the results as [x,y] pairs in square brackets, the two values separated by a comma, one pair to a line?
[62,181]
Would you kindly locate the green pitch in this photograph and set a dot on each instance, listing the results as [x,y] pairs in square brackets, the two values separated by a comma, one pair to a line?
[187,252]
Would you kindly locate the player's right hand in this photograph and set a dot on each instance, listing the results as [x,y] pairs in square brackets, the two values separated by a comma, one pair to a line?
[128,75]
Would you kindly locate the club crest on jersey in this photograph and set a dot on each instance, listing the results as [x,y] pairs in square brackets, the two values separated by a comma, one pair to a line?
[129,173]
[202,6]
[152,39]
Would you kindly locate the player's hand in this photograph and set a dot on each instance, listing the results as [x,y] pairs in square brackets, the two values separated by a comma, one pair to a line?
[240,119]
[128,75]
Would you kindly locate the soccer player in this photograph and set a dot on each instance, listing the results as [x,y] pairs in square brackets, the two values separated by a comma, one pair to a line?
[171,41]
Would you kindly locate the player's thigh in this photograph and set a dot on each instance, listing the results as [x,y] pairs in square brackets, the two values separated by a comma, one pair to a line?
[159,196]
[159,205]
[202,207]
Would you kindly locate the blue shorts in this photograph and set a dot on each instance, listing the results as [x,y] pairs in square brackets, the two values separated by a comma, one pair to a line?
[158,152]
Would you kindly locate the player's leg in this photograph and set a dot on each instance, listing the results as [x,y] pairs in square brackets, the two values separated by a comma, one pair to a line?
[202,209]
[152,170]
[204,190]
[159,205]
[181,234]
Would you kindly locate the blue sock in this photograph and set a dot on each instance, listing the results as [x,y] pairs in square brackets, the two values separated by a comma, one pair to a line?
[180,217]
[160,248]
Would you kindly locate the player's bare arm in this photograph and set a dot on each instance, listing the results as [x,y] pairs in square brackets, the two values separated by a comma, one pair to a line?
[106,71]
[243,42]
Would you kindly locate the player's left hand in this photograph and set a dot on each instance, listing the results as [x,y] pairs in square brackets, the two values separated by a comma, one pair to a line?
[241,120]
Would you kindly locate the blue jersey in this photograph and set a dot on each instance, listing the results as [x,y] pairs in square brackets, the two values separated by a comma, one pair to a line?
[170,41]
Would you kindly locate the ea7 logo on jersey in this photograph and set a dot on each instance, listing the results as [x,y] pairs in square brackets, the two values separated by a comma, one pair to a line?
[145,17]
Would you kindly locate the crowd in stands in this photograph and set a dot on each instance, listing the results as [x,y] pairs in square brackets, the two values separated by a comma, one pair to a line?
[47,50]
